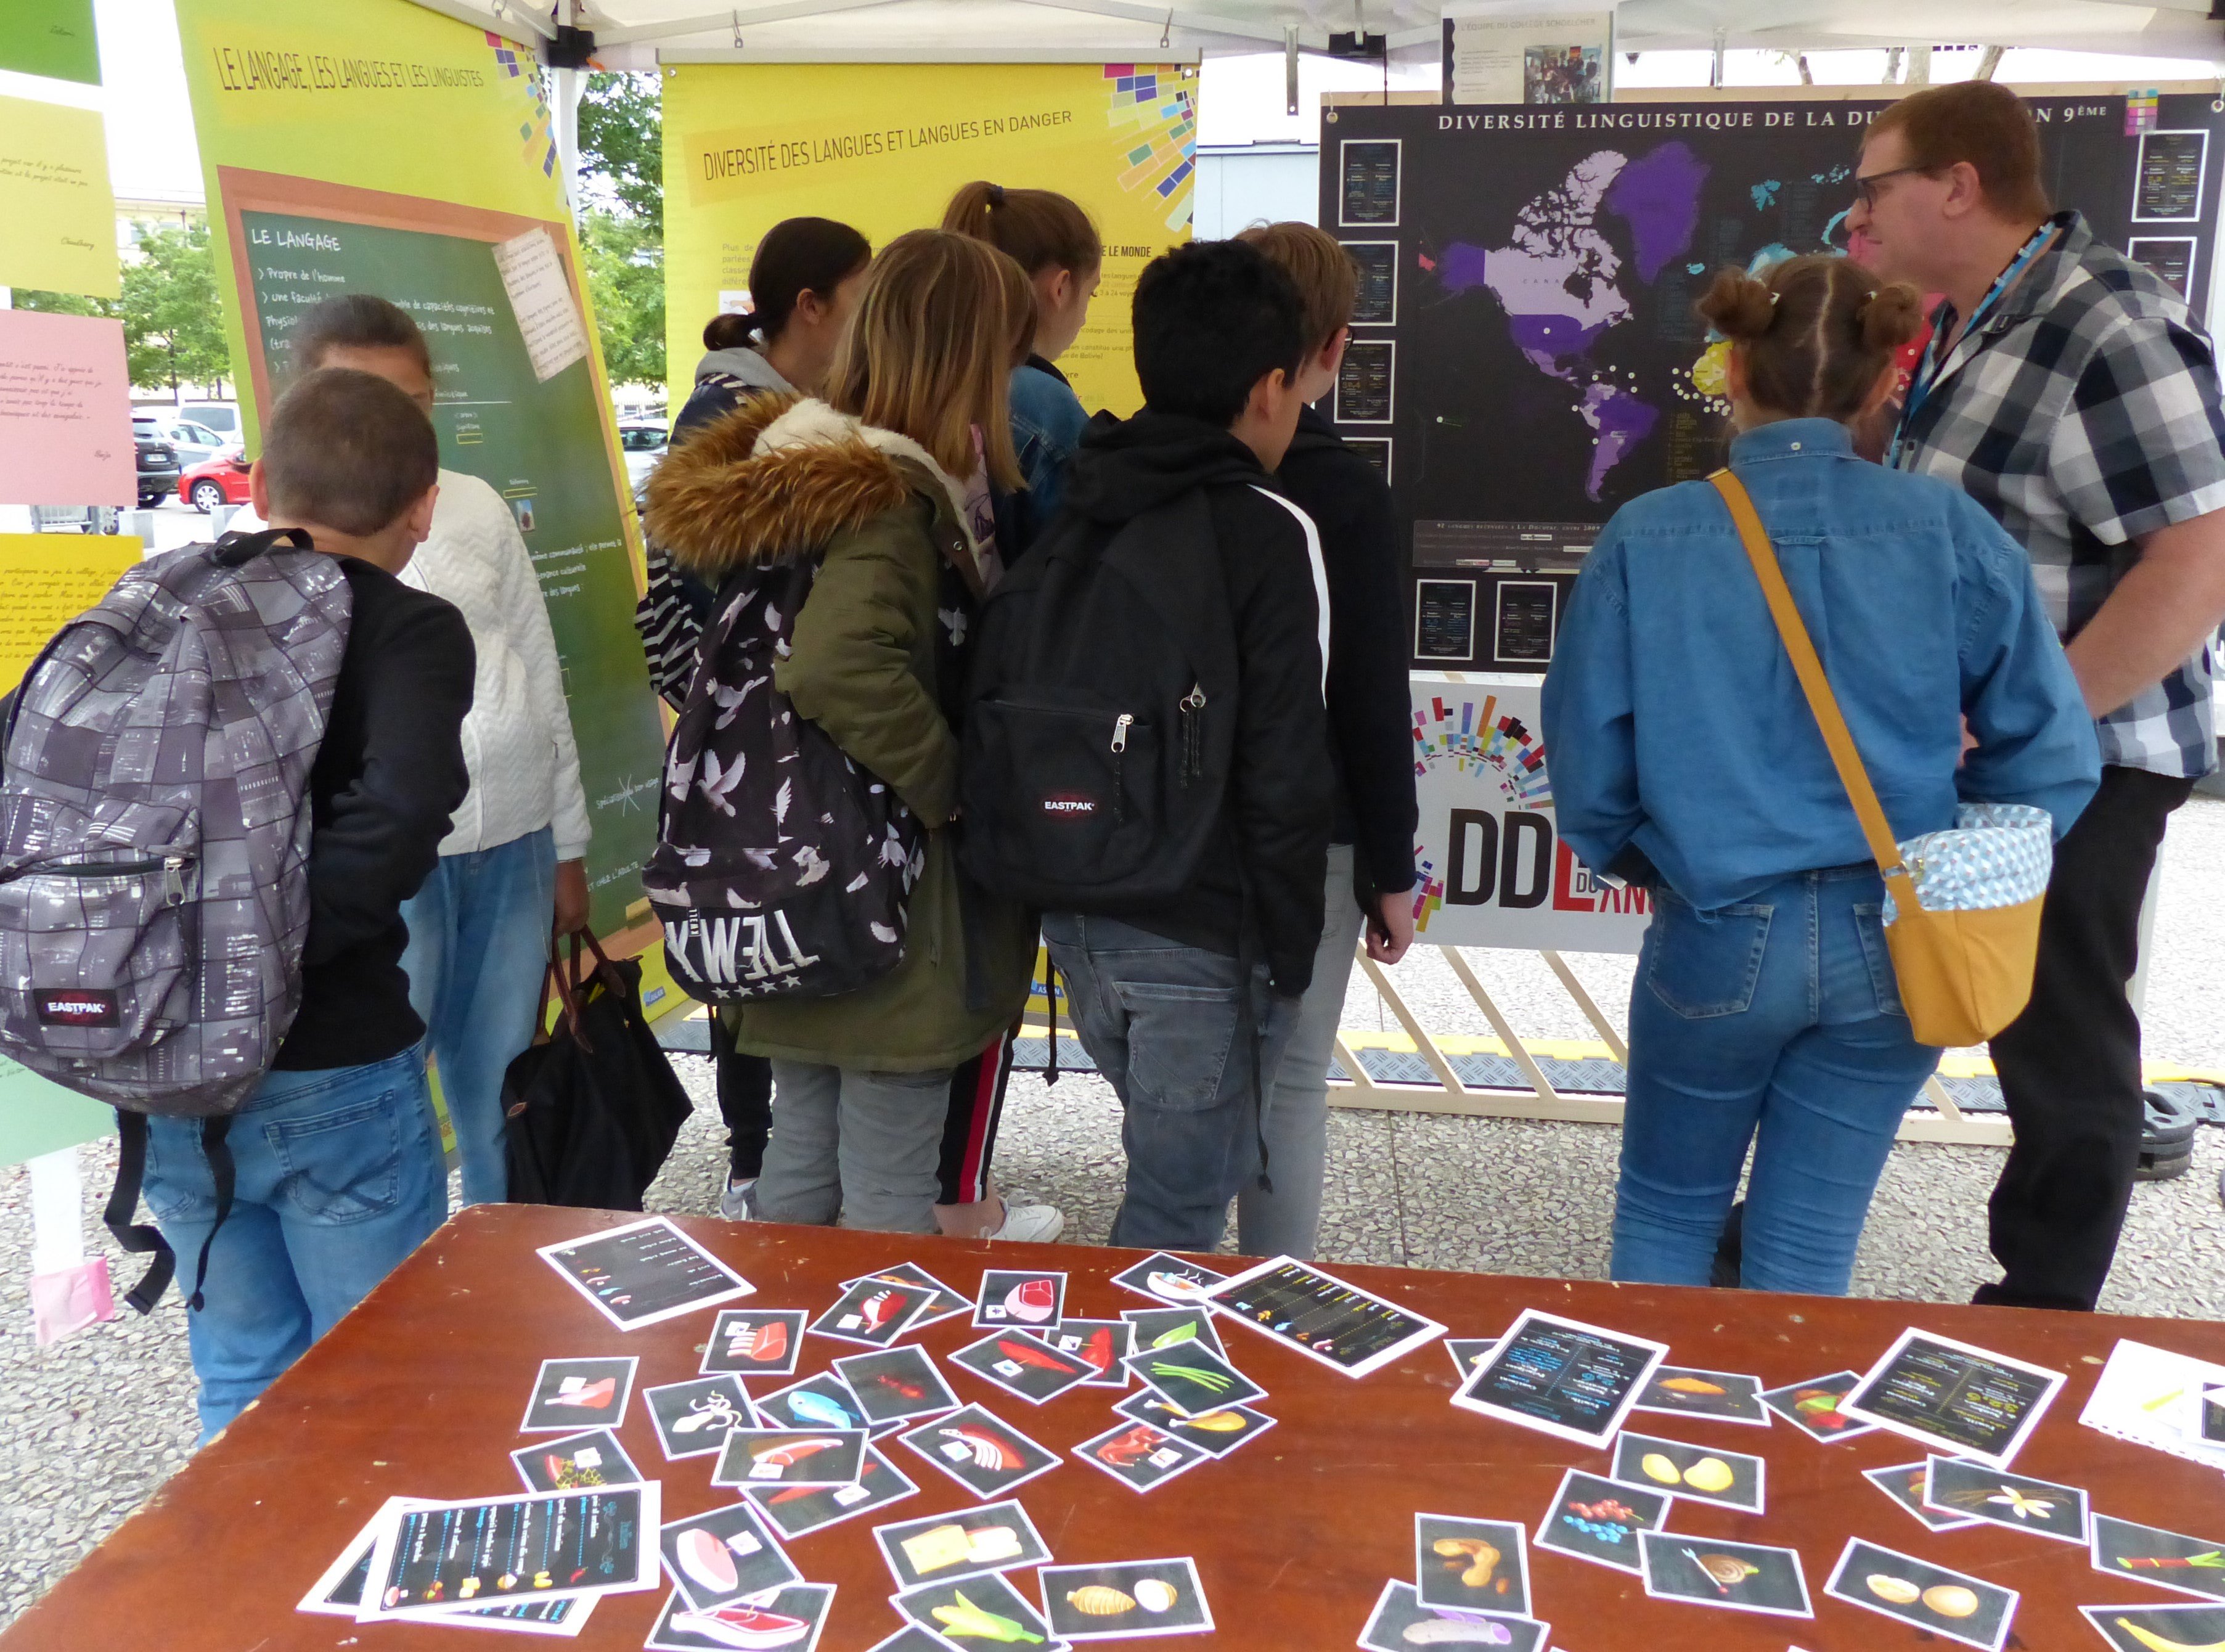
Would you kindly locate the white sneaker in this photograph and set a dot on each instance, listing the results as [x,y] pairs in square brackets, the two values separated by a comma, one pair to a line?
[735,1204]
[1037,1222]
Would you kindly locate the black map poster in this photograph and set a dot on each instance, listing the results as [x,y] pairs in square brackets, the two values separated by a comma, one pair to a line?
[1543,364]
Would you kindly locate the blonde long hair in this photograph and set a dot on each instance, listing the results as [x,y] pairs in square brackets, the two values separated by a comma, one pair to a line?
[929,352]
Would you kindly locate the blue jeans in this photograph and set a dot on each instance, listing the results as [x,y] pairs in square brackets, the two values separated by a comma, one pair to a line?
[1160,1020]
[1777,1022]
[339,1178]
[479,944]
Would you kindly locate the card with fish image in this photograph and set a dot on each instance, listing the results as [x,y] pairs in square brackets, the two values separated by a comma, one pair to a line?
[1165,1327]
[899,1385]
[692,1418]
[722,1556]
[985,1611]
[1336,1325]
[1471,1566]
[1951,1604]
[1214,1433]
[791,1456]
[754,1342]
[339,1592]
[947,1302]
[1124,1599]
[1140,1455]
[789,1618]
[1903,1483]
[575,1463]
[1400,1623]
[820,1401]
[1024,1365]
[1168,1279]
[980,1450]
[570,1394]
[1955,1485]
[1468,1352]
[1562,1377]
[796,1511]
[1194,1379]
[963,1543]
[874,1312]
[1813,1407]
[1597,1519]
[1721,1396]
[432,1559]
[2191,1565]
[643,1273]
[1954,1397]
[1700,1473]
[2150,1627]
[1103,1342]
[1714,1571]
[1031,1301]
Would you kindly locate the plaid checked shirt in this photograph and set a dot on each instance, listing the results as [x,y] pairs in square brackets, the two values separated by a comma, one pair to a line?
[2083,413]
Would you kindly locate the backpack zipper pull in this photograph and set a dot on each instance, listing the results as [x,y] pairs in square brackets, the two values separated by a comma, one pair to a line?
[1193,724]
[1121,727]
[174,879]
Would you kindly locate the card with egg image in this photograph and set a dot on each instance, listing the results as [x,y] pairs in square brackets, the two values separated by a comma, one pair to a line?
[1951,1605]
[1701,1473]
[1124,1600]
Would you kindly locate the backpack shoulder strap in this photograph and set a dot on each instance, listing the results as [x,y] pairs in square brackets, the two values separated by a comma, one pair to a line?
[137,1237]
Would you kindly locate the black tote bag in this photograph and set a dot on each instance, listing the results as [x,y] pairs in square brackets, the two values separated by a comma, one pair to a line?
[592,1109]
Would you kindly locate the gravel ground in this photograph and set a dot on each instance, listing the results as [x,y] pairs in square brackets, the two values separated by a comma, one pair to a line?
[103,1418]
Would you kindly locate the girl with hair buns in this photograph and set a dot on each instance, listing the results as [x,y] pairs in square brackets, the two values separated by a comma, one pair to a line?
[1685,759]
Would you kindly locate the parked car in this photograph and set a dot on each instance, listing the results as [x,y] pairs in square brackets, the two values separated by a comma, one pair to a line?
[158,462]
[223,417]
[642,445]
[193,442]
[220,480]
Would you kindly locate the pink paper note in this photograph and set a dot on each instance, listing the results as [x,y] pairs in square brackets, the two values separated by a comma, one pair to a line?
[70,1299]
[65,411]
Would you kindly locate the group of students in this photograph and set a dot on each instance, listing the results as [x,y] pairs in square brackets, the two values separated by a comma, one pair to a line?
[892,417]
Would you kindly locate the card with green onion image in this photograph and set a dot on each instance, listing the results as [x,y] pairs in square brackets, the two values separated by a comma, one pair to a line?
[2192,1565]
[1193,1379]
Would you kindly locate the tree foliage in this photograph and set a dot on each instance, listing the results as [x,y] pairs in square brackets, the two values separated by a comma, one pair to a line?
[625,274]
[173,330]
[622,146]
[622,229]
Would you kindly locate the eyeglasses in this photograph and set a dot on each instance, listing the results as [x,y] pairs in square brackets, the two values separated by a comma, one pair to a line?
[1866,187]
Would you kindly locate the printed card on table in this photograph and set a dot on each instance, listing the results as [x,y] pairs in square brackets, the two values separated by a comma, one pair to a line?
[1141,1456]
[644,1272]
[1736,1577]
[1337,1325]
[1469,1352]
[873,1312]
[431,1557]
[570,1394]
[754,1342]
[964,1543]
[1562,1377]
[1124,1599]
[1163,1328]
[692,1418]
[1216,1433]
[1815,1407]
[1599,1520]
[982,1452]
[1955,1397]
[724,1556]
[1194,1380]
[946,1301]
[1401,1622]
[1168,1278]
[576,1463]
[896,1385]
[2192,1565]
[912,1638]
[1029,1300]
[1700,1473]
[1103,1342]
[2145,1626]
[339,1592]
[791,1456]
[1024,1365]
[1719,1397]
[820,1401]
[790,1617]
[1904,1482]
[796,1510]
[1951,1605]
[1955,1485]
[977,1611]
[1471,1566]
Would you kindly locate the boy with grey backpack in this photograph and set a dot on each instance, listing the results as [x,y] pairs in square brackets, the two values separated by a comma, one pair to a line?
[217,788]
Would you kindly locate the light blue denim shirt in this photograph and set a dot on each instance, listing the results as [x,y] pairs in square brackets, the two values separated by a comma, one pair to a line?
[1675,726]
[1047,426]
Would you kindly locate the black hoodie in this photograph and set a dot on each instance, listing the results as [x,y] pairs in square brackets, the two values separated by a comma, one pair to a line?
[1282,786]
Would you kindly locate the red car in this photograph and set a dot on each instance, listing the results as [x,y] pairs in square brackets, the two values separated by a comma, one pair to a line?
[221,479]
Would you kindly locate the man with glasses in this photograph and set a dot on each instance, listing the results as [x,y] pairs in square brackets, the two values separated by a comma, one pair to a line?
[2070,392]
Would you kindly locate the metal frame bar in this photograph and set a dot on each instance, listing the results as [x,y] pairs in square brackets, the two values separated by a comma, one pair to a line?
[674,55]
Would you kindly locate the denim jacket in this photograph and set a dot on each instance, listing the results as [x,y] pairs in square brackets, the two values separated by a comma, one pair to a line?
[1047,426]
[1678,734]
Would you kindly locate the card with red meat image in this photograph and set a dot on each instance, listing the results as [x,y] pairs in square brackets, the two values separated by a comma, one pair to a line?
[896,1385]
[946,1301]
[789,1618]
[722,1556]
[754,1342]
[570,1394]
[1031,1301]
[981,1452]
[1103,1342]
[1024,1365]
[1139,1456]
[874,1312]
[791,1456]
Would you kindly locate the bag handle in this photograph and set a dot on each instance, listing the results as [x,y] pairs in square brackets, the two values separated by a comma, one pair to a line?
[1818,687]
[566,993]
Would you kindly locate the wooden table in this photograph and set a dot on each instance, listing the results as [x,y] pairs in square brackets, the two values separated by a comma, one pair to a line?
[419,1392]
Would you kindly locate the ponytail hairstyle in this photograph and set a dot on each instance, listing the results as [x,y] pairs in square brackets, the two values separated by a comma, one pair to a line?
[798,256]
[1021,310]
[1041,229]
[1813,332]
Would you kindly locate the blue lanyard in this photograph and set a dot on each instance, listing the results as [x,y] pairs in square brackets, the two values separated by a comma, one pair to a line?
[1930,368]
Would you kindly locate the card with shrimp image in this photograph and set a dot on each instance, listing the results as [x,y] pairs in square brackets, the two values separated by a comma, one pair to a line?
[754,1342]
[1947,1603]
[1024,1365]
[1194,1379]
[1025,1300]
[899,1385]
[692,1419]
[2151,1628]
[874,1312]
[1124,1600]
[791,1456]
[1400,1623]
[1140,1456]
[981,1452]
[2192,1565]
[1954,1485]
[1471,1566]
[1711,1572]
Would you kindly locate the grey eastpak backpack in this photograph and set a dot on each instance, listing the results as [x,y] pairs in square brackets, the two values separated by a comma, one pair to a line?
[153,842]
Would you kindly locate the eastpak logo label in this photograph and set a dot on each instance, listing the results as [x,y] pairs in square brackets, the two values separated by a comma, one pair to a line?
[1070,803]
[76,1008]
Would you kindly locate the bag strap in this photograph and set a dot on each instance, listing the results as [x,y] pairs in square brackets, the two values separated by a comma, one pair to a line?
[226,1176]
[1818,687]
[123,1203]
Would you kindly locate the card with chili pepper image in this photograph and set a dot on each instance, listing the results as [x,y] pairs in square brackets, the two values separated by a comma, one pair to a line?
[1028,1301]
[1400,1623]
[2150,1627]
[754,1342]
[1813,1407]
[723,1555]
[1024,1365]
[964,1543]
[796,1510]
[791,1456]
[575,1463]
[1903,1483]
[789,1618]
[2192,1565]
[1193,1379]
[692,1418]
[820,1401]
[946,1301]
[1138,1455]
[975,1612]
[1598,1519]
[570,1394]
[1168,1278]
[1956,1485]
[1103,1342]
[1214,1433]
[1721,1396]
[981,1452]
[873,1312]
[1471,1566]
[1951,1604]
[899,1385]
[1711,1572]
[1169,1327]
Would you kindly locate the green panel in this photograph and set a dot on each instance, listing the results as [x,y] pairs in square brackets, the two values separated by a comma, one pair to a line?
[541,447]
[38,1116]
[50,37]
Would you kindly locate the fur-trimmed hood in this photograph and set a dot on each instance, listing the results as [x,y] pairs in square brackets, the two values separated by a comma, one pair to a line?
[780,477]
